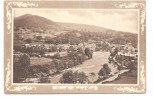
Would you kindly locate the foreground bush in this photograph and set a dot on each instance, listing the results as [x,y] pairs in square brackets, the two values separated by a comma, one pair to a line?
[74,77]
[20,68]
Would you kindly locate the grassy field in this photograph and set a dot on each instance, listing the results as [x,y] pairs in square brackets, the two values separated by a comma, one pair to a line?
[126,78]
[39,61]
[31,35]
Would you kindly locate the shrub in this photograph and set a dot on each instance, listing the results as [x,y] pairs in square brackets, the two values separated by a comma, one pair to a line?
[28,40]
[74,77]
[20,68]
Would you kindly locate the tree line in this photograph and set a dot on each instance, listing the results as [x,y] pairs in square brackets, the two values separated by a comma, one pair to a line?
[22,68]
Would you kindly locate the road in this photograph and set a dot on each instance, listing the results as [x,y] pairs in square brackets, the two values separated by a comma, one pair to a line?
[89,66]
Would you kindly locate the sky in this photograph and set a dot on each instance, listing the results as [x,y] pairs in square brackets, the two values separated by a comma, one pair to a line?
[122,20]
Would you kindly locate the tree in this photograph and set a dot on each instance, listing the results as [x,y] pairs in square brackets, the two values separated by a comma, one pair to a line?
[39,38]
[57,56]
[104,71]
[28,40]
[74,77]
[20,68]
[25,60]
[67,77]
[80,77]
[57,65]
[42,51]
[88,53]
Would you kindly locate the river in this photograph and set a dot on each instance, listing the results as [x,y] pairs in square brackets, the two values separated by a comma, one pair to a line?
[89,66]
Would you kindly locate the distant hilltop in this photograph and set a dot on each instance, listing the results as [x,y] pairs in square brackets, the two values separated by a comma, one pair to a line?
[35,21]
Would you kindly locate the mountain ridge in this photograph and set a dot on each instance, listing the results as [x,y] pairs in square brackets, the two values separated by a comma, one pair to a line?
[35,21]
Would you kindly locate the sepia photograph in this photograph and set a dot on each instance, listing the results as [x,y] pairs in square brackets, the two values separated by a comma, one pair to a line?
[72,47]
[75,46]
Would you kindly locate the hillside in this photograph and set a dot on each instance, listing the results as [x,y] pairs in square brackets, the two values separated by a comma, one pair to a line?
[82,27]
[34,21]
[49,27]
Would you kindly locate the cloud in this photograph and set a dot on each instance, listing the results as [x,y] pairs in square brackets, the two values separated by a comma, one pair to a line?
[122,20]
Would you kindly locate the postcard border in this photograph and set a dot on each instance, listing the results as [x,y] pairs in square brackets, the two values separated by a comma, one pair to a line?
[10,88]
